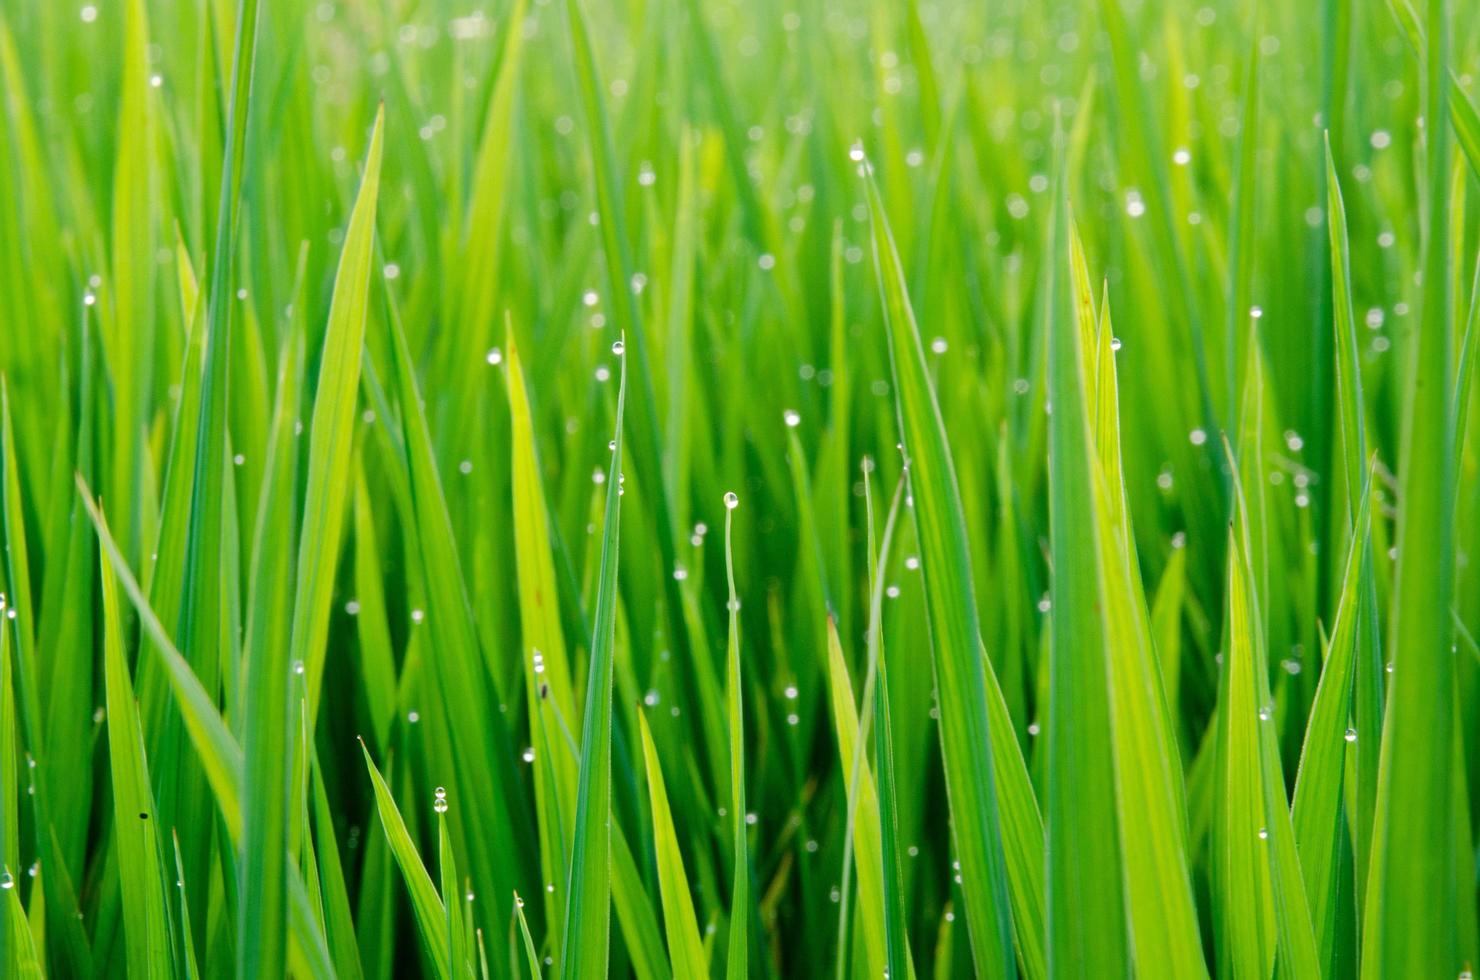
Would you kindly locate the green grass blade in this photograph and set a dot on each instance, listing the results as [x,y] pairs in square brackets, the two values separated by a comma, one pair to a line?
[1319,810]
[588,908]
[1086,915]
[267,682]
[685,947]
[863,805]
[547,680]
[135,820]
[737,960]
[431,914]
[1410,927]
[327,493]
[954,628]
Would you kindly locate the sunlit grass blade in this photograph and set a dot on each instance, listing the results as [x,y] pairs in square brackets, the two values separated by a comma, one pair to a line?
[685,947]
[863,805]
[547,681]
[426,904]
[1149,794]
[588,909]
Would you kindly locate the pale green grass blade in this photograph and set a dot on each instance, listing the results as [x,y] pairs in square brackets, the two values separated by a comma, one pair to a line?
[863,804]
[954,629]
[327,492]
[22,960]
[685,947]
[1252,742]
[588,909]
[431,914]
[459,939]
[546,669]
[1150,797]
[135,820]
[531,955]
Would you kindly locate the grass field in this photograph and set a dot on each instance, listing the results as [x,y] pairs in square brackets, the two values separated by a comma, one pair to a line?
[698,489]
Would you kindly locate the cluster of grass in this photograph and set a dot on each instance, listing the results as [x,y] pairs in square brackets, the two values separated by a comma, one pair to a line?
[689,488]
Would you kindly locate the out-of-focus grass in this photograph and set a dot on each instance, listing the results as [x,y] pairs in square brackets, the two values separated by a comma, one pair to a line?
[702,489]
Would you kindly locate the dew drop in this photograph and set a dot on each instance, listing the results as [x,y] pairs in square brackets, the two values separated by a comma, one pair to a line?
[792,418]
[298,667]
[439,802]
[6,880]
[1264,833]
[1351,734]
[618,348]
[731,501]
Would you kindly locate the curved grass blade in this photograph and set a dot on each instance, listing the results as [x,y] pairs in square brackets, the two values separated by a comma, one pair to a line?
[431,914]
[955,632]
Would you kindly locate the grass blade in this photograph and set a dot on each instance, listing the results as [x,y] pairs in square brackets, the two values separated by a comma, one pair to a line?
[954,629]
[588,909]
[685,948]
[140,866]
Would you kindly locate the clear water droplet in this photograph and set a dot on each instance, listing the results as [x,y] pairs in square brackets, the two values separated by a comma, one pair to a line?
[731,501]
[618,348]
[6,880]
[1264,833]
[1351,734]
[439,802]
[792,418]
[298,667]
